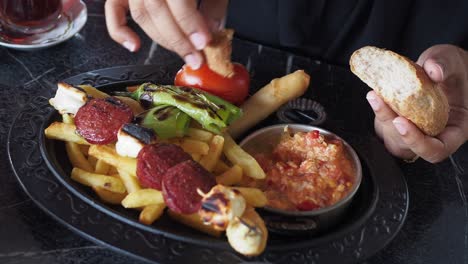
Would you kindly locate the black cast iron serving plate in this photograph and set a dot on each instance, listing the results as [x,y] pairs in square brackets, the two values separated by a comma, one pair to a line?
[377,212]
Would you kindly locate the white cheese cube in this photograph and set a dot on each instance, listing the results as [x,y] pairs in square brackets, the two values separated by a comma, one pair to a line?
[128,145]
[68,99]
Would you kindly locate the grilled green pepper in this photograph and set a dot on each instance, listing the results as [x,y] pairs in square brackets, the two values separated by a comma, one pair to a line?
[167,121]
[212,112]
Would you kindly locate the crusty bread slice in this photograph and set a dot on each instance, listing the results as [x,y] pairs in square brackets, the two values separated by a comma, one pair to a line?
[404,86]
[218,53]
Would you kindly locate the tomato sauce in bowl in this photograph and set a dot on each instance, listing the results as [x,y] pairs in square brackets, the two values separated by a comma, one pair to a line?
[307,169]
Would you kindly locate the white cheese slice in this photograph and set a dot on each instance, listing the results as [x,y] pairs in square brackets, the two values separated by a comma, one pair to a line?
[127,145]
[68,99]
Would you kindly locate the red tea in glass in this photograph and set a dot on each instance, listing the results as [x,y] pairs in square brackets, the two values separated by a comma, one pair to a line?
[29,16]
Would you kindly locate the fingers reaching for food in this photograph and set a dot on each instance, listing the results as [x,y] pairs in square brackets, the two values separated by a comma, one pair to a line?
[165,22]
[176,25]
[116,21]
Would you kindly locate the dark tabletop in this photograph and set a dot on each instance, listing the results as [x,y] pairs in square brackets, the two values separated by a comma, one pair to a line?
[435,231]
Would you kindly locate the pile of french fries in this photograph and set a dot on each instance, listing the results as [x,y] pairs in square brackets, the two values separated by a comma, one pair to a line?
[114,180]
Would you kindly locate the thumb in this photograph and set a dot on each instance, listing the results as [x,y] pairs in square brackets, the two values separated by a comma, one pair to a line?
[441,62]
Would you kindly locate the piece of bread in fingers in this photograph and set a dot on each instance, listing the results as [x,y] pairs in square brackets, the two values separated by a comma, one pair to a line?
[404,86]
[218,53]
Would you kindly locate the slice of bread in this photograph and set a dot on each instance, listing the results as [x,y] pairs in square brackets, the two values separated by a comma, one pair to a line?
[404,86]
[218,53]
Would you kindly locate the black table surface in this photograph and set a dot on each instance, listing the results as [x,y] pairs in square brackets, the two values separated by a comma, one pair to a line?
[436,229]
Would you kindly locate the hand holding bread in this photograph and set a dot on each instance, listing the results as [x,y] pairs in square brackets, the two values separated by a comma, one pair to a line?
[420,110]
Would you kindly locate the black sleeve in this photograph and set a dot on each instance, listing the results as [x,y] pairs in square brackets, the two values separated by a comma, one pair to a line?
[331,30]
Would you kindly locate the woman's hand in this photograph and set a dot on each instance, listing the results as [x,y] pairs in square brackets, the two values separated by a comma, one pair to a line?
[446,65]
[175,24]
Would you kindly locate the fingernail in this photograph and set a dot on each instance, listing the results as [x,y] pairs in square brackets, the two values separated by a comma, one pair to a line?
[373,102]
[435,70]
[400,128]
[198,40]
[441,71]
[193,61]
[129,45]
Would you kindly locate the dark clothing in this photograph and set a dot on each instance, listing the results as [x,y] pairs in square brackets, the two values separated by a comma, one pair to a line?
[331,30]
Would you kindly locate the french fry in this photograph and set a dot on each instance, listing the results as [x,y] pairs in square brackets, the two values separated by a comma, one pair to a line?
[68,119]
[76,157]
[238,156]
[194,146]
[84,149]
[231,176]
[199,134]
[134,105]
[194,221]
[143,197]
[64,132]
[113,171]
[268,99]
[108,196]
[195,156]
[131,182]
[110,156]
[220,167]
[98,180]
[91,91]
[101,167]
[216,148]
[151,213]
[253,196]
[92,160]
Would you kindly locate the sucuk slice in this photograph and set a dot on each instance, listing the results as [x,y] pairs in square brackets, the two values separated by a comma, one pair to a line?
[180,184]
[154,160]
[99,120]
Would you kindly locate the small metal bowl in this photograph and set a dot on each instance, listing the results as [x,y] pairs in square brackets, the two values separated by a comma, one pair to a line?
[290,222]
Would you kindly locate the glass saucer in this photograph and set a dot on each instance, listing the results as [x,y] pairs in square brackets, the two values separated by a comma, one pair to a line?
[73,18]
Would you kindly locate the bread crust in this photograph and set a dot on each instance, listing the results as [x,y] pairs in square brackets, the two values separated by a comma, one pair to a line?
[218,53]
[427,107]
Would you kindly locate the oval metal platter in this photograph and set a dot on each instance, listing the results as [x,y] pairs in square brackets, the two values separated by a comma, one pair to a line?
[375,216]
